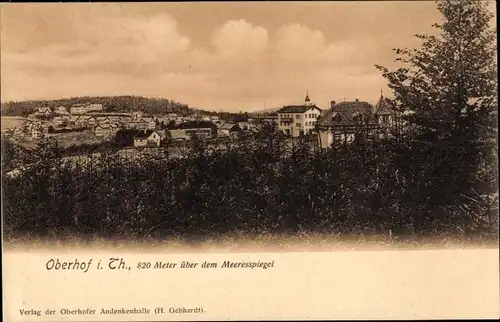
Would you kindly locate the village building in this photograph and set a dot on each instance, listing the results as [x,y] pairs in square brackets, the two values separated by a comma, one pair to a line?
[85,108]
[85,121]
[61,110]
[29,124]
[42,111]
[142,124]
[58,121]
[297,120]
[187,134]
[149,138]
[345,120]
[384,112]
[266,119]
[137,115]
[106,130]
[228,129]
[37,131]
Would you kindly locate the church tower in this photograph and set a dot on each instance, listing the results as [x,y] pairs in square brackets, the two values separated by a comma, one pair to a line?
[308,100]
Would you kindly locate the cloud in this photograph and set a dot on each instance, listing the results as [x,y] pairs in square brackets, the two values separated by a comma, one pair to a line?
[240,39]
[298,43]
[305,48]
[128,44]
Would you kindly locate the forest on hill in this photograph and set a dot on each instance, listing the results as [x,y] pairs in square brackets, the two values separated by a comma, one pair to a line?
[110,104]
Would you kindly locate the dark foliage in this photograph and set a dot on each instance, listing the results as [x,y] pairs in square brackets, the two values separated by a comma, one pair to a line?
[257,184]
[110,104]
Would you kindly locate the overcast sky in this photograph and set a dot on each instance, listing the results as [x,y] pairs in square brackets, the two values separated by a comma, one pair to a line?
[215,56]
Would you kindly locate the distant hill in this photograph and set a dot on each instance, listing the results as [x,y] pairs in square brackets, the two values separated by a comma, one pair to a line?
[110,104]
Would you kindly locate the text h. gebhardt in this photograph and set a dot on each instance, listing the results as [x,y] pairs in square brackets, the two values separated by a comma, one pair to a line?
[183,310]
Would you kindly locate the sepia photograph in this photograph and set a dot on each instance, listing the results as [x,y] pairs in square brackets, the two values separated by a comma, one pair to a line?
[248,127]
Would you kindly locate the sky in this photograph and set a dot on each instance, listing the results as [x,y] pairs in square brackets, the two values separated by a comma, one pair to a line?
[215,56]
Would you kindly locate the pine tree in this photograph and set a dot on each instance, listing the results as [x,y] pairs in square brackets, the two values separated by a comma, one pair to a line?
[450,87]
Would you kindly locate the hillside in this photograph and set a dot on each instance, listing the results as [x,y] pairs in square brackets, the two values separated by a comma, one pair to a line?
[110,104]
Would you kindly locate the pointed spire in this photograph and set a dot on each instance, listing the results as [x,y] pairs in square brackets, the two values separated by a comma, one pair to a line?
[307,96]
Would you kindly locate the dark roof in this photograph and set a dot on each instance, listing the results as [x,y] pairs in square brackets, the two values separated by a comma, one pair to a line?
[143,134]
[383,107]
[347,111]
[229,126]
[297,108]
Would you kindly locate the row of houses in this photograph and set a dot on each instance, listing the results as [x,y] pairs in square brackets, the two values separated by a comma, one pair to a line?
[340,122]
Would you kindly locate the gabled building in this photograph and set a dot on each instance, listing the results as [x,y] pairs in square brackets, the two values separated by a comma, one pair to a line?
[85,121]
[384,112]
[345,120]
[42,111]
[296,120]
[228,129]
[38,130]
[85,108]
[149,138]
[61,110]
[106,129]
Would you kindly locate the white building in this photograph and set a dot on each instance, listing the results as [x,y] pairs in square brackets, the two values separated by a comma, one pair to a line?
[296,120]
[149,138]
[85,108]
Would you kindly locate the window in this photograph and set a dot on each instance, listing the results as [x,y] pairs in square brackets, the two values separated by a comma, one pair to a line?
[298,124]
[297,117]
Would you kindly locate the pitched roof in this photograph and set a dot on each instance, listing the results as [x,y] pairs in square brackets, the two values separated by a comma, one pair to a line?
[85,118]
[228,126]
[162,134]
[347,111]
[43,109]
[107,125]
[383,107]
[143,134]
[297,108]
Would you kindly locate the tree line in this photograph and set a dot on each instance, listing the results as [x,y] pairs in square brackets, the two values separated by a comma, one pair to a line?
[110,104]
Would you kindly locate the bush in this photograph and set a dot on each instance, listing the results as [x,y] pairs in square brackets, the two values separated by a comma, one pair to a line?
[258,184]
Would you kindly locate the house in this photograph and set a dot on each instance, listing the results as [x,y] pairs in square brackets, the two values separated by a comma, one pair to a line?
[85,108]
[384,112]
[85,121]
[345,120]
[58,121]
[106,130]
[268,119]
[61,110]
[214,118]
[94,107]
[228,129]
[296,120]
[143,124]
[137,115]
[149,138]
[187,134]
[38,131]
[42,111]
[103,120]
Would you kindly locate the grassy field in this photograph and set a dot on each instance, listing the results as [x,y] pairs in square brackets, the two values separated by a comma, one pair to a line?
[10,122]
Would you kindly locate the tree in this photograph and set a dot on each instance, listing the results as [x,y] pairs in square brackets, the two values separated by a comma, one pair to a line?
[450,86]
